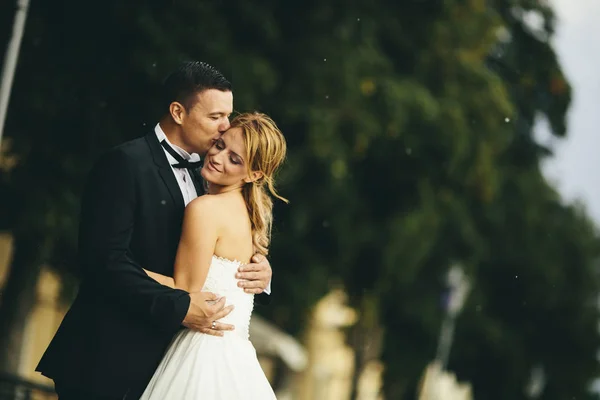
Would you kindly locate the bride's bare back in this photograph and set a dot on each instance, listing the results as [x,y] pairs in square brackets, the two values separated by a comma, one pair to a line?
[213,225]
[235,237]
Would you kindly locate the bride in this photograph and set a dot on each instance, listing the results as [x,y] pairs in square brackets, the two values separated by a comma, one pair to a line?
[221,231]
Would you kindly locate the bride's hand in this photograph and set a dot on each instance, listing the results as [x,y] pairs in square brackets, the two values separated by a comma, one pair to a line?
[204,312]
[255,276]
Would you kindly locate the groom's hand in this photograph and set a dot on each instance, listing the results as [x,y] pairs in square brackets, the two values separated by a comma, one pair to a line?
[255,276]
[204,312]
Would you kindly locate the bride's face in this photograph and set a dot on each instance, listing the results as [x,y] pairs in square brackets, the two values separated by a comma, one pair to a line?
[225,163]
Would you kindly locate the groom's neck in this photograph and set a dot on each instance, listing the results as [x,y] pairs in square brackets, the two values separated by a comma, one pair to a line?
[172,131]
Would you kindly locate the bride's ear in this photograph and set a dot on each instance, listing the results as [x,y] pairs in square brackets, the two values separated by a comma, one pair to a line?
[253,177]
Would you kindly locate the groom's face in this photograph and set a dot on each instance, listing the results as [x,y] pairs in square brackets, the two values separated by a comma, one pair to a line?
[206,120]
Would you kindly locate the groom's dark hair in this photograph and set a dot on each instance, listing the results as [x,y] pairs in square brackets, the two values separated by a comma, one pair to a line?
[189,78]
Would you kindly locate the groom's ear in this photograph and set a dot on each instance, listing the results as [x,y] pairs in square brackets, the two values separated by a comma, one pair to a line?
[177,111]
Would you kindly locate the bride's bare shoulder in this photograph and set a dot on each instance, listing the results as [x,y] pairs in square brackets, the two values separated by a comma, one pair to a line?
[204,206]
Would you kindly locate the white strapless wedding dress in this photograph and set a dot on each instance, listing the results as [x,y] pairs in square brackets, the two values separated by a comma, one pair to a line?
[198,366]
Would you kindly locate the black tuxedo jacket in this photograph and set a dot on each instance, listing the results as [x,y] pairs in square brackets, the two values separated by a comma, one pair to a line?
[116,331]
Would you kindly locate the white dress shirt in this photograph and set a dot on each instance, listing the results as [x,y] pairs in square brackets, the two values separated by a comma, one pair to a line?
[184,179]
[183,175]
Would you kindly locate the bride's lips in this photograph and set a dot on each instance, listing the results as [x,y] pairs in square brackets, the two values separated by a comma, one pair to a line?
[212,167]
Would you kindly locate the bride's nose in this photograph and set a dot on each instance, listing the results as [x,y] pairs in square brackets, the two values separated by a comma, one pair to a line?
[216,159]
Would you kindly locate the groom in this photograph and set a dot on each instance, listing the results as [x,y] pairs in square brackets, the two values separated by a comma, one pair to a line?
[121,322]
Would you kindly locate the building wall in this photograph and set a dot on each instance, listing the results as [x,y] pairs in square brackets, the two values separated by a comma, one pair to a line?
[45,317]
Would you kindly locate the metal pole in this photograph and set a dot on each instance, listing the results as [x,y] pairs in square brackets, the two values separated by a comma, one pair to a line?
[10,59]
[458,289]
[445,341]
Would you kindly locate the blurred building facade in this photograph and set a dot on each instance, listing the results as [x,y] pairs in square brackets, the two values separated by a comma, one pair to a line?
[438,384]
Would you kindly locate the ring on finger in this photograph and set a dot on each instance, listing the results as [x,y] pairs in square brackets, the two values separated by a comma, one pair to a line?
[214,325]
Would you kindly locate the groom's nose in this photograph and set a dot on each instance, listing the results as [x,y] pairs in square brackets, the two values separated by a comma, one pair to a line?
[224,125]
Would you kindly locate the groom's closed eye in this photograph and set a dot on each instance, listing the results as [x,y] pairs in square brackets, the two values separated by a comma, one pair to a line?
[217,116]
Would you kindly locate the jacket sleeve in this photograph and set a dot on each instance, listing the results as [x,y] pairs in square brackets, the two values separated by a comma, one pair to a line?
[108,213]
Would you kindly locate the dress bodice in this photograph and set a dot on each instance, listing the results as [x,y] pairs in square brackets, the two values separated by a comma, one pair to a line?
[221,280]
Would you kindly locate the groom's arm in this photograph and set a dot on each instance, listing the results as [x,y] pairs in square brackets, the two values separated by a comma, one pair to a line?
[106,227]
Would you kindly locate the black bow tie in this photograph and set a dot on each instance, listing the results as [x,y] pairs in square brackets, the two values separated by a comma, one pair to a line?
[192,167]
[181,162]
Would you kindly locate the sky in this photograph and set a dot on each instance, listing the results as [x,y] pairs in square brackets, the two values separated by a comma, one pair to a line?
[575,168]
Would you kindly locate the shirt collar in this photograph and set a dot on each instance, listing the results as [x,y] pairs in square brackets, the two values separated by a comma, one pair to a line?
[160,134]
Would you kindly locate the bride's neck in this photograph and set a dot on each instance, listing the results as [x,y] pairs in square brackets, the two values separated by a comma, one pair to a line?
[217,189]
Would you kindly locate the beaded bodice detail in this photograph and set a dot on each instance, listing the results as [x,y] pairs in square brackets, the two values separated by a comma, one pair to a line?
[221,280]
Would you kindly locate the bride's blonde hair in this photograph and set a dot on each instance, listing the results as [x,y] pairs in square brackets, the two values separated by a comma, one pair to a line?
[265,152]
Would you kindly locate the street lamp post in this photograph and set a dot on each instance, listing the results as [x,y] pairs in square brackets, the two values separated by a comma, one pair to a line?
[10,59]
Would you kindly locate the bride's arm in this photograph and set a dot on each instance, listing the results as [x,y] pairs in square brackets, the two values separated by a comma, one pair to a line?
[199,237]
[196,247]
[162,279]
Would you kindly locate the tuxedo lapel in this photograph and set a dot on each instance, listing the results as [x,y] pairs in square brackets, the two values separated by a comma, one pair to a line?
[164,169]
